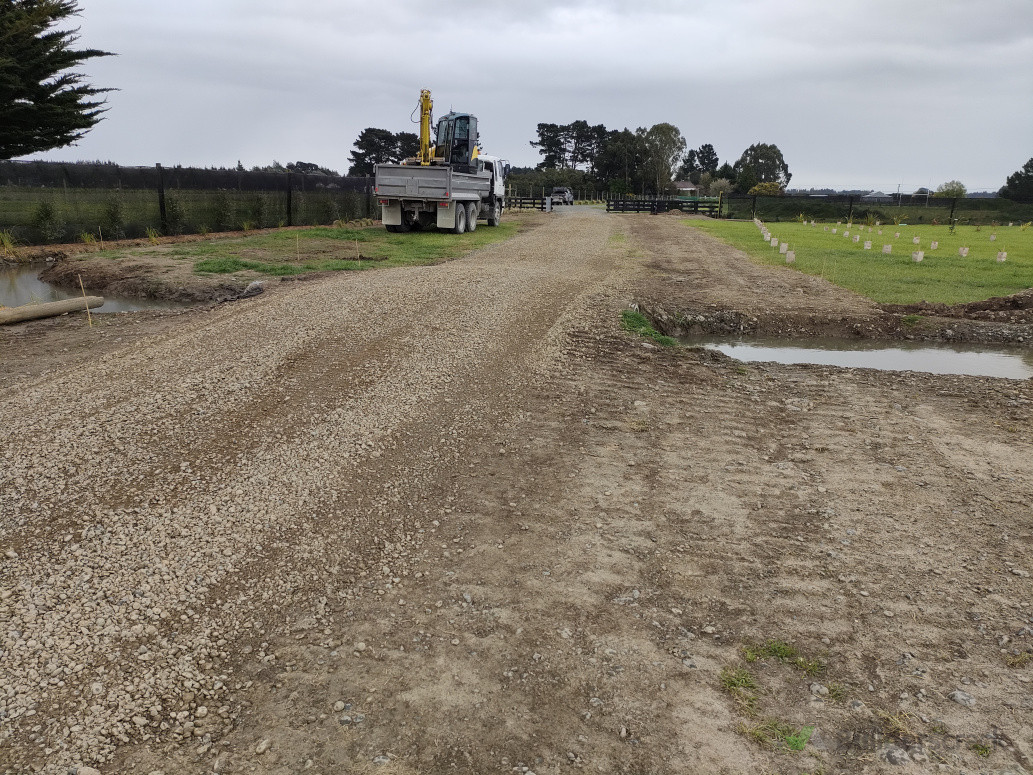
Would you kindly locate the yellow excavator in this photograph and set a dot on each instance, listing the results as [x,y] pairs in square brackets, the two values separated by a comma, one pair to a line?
[456,137]
[449,184]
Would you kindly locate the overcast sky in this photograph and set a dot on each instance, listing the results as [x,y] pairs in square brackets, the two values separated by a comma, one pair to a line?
[870,94]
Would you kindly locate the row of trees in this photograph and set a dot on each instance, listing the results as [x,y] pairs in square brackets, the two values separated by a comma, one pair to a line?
[381,146]
[650,160]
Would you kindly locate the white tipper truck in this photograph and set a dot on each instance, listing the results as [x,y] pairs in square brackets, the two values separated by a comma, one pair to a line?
[449,185]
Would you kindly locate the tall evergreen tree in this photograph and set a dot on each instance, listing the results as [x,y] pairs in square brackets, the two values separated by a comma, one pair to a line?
[373,146]
[707,159]
[43,103]
[621,161]
[1019,184]
[552,146]
[407,145]
[761,163]
[699,161]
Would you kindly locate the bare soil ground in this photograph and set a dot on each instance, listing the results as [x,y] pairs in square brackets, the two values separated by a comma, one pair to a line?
[452,519]
[148,268]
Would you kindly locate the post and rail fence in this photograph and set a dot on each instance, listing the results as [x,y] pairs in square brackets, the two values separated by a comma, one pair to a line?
[526,202]
[657,205]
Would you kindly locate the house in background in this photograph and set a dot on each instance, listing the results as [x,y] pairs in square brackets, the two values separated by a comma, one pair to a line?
[876,196]
[686,188]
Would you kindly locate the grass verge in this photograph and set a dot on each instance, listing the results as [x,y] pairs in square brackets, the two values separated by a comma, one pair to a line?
[740,684]
[942,276]
[637,323]
[320,249]
[784,653]
[774,733]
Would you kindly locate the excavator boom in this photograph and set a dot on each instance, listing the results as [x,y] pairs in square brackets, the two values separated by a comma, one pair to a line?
[426,107]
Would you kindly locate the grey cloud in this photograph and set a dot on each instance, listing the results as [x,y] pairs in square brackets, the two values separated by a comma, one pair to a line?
[855,93]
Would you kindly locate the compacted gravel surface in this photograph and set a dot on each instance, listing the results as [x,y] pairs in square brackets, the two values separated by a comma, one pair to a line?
[452,519]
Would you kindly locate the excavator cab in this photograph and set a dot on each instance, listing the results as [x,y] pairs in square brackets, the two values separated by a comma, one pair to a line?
[457,141]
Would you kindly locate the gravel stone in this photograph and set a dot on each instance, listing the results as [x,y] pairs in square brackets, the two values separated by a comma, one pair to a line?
[962,698]
[893,754]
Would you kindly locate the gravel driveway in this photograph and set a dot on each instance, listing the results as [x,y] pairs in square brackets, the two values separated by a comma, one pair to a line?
[452,519]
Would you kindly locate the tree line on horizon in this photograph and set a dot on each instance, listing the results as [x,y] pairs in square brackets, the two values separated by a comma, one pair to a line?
[646,160]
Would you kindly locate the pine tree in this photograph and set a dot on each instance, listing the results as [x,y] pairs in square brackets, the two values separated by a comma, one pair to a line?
[43,104]
[1020,183]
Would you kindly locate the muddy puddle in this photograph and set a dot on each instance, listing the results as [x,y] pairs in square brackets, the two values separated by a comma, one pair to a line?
[973,360]
[20,284]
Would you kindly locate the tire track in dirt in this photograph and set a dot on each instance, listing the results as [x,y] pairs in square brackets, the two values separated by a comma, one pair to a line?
[558,537]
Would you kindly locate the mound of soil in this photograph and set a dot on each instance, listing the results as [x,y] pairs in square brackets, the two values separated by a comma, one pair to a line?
[58,251]
[1017,308]
[128,278]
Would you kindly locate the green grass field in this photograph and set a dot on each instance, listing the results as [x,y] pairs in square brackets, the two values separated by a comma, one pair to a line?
[941,277]
[318,249]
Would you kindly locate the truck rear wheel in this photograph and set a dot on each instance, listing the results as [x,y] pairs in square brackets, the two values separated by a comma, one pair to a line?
[471,215]
[460,226]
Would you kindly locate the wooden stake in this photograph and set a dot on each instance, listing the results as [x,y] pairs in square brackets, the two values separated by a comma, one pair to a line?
[89,317]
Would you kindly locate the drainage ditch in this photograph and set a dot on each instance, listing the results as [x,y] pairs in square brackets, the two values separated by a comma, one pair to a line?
[20,284]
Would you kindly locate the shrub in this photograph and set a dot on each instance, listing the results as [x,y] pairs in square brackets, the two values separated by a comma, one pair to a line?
[330,210]
[47,222]
[254,212]
[114,222]
[174,216]
[766,189]
[221,212]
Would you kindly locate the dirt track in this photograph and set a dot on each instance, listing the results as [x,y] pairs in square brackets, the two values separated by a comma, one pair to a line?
[451,519]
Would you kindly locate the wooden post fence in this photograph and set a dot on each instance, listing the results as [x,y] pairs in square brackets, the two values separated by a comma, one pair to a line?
[162,214]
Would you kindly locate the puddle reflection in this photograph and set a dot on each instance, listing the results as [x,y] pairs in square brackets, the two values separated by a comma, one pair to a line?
[973,360]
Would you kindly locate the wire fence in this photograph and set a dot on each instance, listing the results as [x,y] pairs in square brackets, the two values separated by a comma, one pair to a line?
[48,202]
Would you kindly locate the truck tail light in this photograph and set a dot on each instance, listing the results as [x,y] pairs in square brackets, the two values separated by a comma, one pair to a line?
[442,204]
[384,201]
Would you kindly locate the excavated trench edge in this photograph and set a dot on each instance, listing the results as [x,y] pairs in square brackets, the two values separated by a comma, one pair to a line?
[891,327]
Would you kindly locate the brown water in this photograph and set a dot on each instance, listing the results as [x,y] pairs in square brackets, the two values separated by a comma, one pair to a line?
[20,284]
[976,360]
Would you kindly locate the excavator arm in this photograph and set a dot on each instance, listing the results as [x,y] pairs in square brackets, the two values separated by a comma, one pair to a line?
[426,107]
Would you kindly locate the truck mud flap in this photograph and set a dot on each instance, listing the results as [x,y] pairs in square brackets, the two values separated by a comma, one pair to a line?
[447,216]
[391,214]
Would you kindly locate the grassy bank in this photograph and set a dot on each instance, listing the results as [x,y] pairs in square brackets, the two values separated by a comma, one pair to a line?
[318,249]
[942,276]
